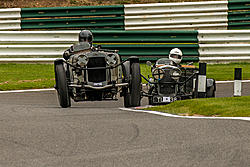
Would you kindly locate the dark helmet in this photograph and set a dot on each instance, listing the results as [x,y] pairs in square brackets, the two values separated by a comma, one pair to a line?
[86,36]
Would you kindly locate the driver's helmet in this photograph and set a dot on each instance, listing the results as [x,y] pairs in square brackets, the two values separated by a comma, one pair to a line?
[175,55]
[86,36]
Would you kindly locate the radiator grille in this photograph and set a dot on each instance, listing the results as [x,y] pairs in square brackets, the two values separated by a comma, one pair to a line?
[98,75]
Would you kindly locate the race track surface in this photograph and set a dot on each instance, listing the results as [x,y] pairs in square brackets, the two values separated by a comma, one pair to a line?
[35,131]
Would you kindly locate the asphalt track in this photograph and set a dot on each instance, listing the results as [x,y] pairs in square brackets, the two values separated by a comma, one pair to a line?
[35,131]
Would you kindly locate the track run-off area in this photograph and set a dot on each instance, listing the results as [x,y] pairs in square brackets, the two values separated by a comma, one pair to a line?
[35,131]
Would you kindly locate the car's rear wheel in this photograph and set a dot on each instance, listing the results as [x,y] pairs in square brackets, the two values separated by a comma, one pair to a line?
[62,86]
[211,88]
[135,90]
[211,92]
[150,98]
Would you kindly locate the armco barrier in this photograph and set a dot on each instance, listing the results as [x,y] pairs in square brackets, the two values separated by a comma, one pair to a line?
[82,17]
[32,50]
[10,19]
[96,17]
[72,11]
[144,44]
[188,15]
[38,37]
[229,50]
[73,23]
[149,44]
[12,13]
[223,36]
[206,45]
[238,16]
[227,14]
[224,45]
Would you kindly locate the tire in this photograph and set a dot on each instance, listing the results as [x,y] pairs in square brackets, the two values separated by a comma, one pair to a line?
[126,94]
[211,92]
[62,86]
[135,90]
[127,100]
[150,99]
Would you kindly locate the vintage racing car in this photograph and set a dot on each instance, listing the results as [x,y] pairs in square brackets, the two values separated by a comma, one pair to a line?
[90,73]
[171,82]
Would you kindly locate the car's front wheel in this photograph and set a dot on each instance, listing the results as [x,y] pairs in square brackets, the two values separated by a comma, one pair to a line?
[62,86]
[127,99]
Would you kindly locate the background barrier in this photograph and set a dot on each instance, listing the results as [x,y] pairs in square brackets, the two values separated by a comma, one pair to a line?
[205,45]
[10,19]
[224,45]
[188,15]
[109,22]
[228,14]
[148,45]
[238,15]
[89,17]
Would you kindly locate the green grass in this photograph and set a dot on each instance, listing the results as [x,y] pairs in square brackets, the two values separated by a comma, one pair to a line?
[29,76]
[220,72]
[223,72]
[26,76]
[220,107]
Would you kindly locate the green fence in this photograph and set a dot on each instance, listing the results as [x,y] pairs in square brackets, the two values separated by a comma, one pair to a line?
[84,17]
[239,14]
[149,45]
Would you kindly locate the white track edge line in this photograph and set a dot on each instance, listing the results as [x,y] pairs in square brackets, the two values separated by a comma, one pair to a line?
[49,89]
[27,90]
[187,117]
[243,81]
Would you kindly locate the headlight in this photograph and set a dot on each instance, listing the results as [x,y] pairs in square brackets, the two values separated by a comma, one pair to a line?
[112,59]
[82,60]
[158,74]
[151,80]
[175,74]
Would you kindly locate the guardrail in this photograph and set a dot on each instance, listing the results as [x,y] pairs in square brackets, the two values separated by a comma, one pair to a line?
[145,44]
[238,16]
[188,15]
[223,36]
[227,14]
[205,45]
[95,17]
[88,17]
[10,19]
[224,45]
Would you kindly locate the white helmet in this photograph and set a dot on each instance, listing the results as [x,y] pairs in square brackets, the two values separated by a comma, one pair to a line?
[175,55]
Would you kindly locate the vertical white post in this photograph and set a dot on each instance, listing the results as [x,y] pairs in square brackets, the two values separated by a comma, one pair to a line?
[237,82]
[202,80]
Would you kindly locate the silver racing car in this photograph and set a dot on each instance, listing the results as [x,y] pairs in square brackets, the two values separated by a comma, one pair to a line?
[89,73]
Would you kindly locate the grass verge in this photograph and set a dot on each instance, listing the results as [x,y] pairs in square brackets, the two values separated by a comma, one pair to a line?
[26,76]
[29,76]
[219,107]
[220,72]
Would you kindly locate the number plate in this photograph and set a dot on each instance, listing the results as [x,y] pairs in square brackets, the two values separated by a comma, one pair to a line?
[97,84]
[166,99]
